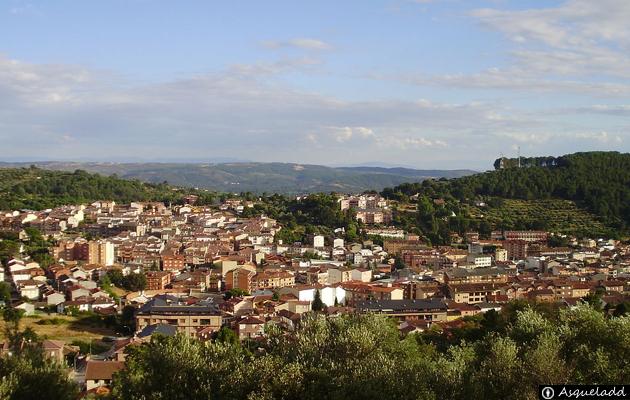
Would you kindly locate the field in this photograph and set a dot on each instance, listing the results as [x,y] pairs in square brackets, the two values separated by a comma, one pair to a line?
[62,327]
[554,215]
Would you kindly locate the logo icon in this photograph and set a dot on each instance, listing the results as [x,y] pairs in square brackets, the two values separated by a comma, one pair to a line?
[547,393]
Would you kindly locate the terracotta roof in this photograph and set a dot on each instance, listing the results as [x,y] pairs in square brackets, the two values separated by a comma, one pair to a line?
[97,370]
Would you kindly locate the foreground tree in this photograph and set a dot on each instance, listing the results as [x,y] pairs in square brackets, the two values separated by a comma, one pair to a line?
[25,372]
[364,357]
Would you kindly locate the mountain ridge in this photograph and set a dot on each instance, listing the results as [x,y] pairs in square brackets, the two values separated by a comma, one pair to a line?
[287,178]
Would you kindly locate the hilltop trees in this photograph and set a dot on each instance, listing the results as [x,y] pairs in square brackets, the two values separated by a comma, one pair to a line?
[35,188]
[596,181]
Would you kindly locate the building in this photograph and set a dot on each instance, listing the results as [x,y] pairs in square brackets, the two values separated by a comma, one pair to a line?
[158,280]
[271,280]
[374,216]
[479,261]
[357,292]
[395,246]
[250,328]
[318,241]
[187,318]
[516,249]
[173,262]
[500,255]
[101,252]
[477,275]
[433,310]
[239,278]
[472,293]
[528,236]
[100,373]
[339,275]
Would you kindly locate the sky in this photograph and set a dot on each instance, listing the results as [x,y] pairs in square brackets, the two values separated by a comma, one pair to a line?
[420,83]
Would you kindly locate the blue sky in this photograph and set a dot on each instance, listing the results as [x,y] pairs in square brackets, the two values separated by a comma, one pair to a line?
[424,83]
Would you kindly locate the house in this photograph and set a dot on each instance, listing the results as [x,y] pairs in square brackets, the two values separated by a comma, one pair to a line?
[29,289]
[28,308]
[288,319]
[339,275]
[250,327]
[100,373]
[75,292]
[81,304]
[55,298]
[54,349]
[543,295]
[361,274]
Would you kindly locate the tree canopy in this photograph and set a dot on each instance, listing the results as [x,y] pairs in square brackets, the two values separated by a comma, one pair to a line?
[364,357]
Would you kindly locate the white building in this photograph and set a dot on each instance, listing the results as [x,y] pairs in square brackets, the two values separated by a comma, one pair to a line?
[479,260]
[361,274]
[328,294]
[501,255]
[318,241]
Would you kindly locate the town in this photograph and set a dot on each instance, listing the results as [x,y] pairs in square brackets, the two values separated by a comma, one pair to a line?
[148,268]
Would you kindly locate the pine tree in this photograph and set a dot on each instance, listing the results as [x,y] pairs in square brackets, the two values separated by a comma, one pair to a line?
[318,304]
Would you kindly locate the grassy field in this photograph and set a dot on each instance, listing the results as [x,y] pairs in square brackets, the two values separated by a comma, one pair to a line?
[557,215]
[62,327]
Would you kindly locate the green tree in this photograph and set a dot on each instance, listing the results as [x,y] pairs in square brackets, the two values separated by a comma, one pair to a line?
[227,336]
[235,292]
[135,282]
[29,375]
[5,293]
[317,304]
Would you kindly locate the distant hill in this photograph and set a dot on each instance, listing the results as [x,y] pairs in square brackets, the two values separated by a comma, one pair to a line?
[596,182]
[256,177]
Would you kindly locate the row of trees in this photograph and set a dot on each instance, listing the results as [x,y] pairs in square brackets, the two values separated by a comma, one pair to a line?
[502,355]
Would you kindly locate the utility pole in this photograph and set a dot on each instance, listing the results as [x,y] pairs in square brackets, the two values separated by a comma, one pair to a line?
[519,156]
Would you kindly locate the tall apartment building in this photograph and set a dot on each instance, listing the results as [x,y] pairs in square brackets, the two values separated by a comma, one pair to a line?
[93,252]
[101,252]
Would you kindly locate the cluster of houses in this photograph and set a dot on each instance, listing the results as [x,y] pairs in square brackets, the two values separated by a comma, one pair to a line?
[369,208]
[207,268]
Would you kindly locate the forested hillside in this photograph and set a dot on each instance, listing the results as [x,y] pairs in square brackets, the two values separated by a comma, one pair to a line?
[598,182]
[35,188]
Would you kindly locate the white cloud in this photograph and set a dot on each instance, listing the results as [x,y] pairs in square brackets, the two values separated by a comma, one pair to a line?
[579,46]
[579,37]
[409,143]
[603,137]
[300,43]
[345,133]
[69,112]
